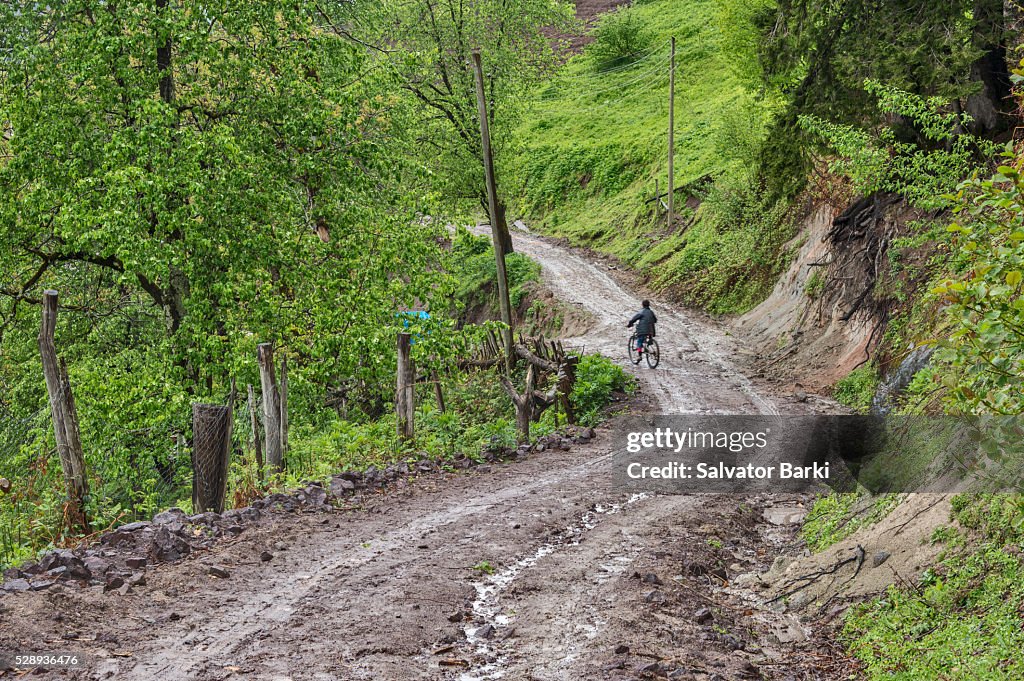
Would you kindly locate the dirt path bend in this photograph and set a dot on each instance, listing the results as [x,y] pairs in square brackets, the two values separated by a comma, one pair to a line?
[696,374]
[538,570]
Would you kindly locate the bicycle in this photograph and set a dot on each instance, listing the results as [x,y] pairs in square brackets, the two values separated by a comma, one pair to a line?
[650,351]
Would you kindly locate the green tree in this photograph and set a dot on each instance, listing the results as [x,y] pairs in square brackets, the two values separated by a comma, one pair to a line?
[820,54]
[433,40]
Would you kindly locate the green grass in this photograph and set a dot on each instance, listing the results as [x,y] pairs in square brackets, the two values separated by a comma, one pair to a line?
[834,517]
[962,619]
[857,389]
[595,144]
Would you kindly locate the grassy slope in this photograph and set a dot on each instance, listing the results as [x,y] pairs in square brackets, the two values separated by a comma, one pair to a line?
[596,142]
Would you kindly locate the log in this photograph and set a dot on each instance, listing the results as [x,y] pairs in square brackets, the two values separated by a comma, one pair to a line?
[271,407]
[65,419]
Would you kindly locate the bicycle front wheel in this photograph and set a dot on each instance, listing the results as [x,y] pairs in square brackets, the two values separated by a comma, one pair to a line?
[631,352]
[652,353]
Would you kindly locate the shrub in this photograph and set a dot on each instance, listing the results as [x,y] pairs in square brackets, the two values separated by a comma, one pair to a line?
[620,38]
[857,389]
[597,377]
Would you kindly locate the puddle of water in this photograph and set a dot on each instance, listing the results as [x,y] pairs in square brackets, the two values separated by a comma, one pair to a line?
[486,607]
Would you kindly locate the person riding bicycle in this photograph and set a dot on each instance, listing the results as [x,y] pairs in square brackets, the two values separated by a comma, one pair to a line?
[645,320]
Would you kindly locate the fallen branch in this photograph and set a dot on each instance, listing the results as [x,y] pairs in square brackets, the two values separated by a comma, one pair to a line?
[810,578]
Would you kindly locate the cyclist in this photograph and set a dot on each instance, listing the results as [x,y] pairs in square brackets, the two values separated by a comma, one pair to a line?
[645,320]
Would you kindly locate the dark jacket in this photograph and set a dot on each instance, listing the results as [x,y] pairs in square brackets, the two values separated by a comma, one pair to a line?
[645,320]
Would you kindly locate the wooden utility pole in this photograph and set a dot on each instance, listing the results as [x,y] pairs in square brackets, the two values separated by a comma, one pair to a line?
[405,391]
[211,455]
[65,418]
[257,438]
[672,136]
[493,208]
[271,407]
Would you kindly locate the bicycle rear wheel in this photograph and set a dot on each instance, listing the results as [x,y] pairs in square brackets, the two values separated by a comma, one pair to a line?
[631,352]
[652,353]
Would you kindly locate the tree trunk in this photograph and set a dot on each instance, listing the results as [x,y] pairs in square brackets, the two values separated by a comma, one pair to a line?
[257,442]
[523,403]
[501,225]
[990,106]
[284,407]
[65,419]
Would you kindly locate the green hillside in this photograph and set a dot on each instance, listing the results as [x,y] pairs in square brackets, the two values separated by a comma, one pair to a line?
[595,145]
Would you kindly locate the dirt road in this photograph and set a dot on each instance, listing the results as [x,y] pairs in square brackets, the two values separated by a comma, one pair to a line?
[540,569]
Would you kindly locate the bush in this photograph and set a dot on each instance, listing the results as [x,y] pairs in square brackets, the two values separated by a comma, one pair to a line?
[857,389]
[620,38]
[597,377]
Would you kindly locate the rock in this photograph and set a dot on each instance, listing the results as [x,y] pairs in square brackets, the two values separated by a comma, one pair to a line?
[17,585]
[621,649]
[266,556]
[134,527]
[656,597]
[137,579]
[56,572]
[125,590]
[170,516]
[651,578]
[114,582]
[235,530]
[217,571]
[340,486]
[12,573]
[800,396]
[651,668]
[312,496]
[280,546]
[351,476]
[42,585]
[174,617]
[167,547]
[208,518]
[455,617]
[54,559]
[135,562]
[117,538]
[485,632]
[425,467]
[879,558]
[703,615]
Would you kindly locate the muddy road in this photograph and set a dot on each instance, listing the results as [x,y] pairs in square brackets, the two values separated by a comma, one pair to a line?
[539,569]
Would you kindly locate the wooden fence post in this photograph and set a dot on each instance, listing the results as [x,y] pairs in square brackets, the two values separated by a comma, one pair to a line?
[405,393]
[257,437]
[211,452]
[271,407]
[65,418]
